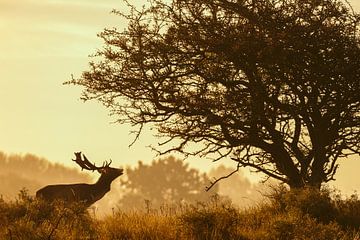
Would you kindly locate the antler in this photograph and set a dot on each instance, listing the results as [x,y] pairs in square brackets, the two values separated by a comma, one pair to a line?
[86,164]
[106,164]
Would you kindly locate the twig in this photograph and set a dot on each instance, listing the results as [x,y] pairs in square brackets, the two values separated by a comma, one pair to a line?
[10,234]
[56,226]
[221,178]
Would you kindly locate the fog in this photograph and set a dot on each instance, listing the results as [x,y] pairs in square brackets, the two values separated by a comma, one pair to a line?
[164,181]
[31,172]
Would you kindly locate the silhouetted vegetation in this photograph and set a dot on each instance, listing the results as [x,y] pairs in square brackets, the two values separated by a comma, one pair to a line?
[305,214]
[297,214]
[272,84]
[27,218]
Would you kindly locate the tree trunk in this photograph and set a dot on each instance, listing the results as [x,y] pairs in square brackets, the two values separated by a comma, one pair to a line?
[300,185]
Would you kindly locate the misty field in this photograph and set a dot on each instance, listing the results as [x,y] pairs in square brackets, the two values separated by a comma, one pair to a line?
[305,214]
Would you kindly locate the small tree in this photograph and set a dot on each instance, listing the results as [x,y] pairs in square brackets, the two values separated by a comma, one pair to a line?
[167,180]
[272,84]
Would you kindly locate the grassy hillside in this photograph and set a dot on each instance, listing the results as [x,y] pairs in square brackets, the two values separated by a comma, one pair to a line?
[297,215]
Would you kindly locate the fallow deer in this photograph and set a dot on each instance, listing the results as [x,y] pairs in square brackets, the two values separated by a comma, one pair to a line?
[82,192]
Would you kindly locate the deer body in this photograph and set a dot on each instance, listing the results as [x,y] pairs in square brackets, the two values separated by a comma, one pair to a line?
[82,192]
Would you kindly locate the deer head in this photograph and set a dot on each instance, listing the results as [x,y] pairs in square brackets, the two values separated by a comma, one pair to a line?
[82,192]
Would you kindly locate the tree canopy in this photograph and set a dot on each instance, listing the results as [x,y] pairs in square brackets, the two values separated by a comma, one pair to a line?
[273,85]
[166,180]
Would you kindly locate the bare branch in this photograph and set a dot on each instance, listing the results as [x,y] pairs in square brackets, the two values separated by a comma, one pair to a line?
[212,183]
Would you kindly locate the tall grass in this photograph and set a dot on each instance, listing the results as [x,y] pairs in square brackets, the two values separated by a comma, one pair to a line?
[305,214]
[27,218]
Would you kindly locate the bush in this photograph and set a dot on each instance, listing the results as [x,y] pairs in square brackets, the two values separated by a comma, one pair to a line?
[301,227]
[325,206]
[309,201]
[348,211]
[28,218]
[213,220]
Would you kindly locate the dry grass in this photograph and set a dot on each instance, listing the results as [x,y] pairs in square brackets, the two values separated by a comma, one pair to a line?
[137,225]
[297,215]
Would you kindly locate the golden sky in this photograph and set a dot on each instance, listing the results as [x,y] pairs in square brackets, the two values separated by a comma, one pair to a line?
[43,42]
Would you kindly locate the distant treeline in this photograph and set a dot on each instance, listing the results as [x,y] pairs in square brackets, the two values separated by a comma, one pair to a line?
[162,181]
[32,172]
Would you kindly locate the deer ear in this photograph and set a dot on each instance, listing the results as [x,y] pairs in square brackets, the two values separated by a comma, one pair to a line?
[102,170]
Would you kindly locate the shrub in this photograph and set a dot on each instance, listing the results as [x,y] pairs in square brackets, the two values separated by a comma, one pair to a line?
[348,211]
[309,201]
[301,227]
[211,221]
[28,218]
[325,206]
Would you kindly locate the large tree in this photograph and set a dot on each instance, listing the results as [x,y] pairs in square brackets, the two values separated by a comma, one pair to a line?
[273,85]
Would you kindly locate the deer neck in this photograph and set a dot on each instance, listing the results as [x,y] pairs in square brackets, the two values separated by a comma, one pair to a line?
[104,182]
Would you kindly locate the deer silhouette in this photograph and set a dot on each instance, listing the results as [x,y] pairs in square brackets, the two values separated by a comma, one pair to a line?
[82,192]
